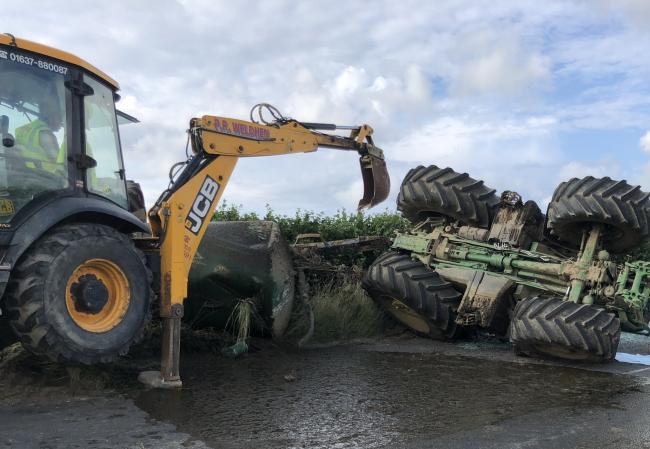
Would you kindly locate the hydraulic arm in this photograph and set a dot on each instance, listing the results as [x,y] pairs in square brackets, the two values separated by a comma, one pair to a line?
[181,215]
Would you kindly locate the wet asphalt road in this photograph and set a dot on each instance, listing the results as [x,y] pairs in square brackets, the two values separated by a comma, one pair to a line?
[409,392]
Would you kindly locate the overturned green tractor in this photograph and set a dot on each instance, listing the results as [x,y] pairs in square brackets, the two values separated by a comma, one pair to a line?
[477,261]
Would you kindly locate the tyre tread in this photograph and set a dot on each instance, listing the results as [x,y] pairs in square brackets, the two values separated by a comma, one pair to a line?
[25,306]
[617,204]
[434,190]
[590,332]
[399,276]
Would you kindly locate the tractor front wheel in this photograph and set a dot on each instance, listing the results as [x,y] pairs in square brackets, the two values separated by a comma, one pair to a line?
[414,295]
[81,293]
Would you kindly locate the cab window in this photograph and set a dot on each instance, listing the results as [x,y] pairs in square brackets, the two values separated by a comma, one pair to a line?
[103,145]
[33,155]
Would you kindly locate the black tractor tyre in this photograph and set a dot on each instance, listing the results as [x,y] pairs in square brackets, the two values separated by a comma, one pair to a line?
[431,191]
[581,202]
[414,295]
[57,307]
[7,336]
[551,327]
[136,200]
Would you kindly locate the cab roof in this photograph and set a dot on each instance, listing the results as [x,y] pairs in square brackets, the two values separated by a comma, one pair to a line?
[7,39]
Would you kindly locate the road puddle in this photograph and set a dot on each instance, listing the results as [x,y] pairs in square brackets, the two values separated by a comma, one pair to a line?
[633,358]
[342,397]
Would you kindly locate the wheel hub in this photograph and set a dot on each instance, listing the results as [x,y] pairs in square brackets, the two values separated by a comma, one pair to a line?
[406,315]
[97,295]
[90,295]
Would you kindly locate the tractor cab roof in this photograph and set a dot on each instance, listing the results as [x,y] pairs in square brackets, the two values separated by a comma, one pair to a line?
[7,39]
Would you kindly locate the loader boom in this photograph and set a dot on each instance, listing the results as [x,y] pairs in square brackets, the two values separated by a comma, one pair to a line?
[180,217]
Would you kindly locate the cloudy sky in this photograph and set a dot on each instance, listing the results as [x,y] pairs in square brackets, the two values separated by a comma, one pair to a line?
[523,94]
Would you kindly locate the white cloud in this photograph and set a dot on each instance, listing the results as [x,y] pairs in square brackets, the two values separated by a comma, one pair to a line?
[348,83]
[351,194]
[492,62]
[644,142]
[487,88]
[641,176]
[515,154]
[636,11]
[457,138]
[576,169]
[418,87]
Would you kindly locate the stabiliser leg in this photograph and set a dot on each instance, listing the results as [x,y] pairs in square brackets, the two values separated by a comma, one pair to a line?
[170,356]
[169,376]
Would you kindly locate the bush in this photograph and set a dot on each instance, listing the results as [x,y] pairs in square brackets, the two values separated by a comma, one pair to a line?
[341,225]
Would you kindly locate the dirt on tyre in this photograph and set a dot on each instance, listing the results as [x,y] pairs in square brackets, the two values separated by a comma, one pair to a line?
[81,293]
[431,191]
[414,295]
[623,209]
[551,327]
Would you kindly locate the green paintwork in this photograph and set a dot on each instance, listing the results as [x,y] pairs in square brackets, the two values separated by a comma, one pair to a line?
[415,243]
[583,265]
[241,260]
[589,277]
[636,292]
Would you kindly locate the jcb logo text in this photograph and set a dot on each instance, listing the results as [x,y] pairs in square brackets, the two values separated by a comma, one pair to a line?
[202,205]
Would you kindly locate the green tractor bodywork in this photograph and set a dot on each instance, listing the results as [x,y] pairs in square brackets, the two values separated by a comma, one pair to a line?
[476,260]
[493,274]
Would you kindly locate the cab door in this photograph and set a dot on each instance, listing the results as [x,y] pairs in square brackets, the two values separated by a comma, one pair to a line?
[102,143]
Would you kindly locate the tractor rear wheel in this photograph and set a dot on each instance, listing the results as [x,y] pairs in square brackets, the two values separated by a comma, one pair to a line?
[136,200]
[81,293]
[414,295]
[431,191]
[579,203]
[551,327]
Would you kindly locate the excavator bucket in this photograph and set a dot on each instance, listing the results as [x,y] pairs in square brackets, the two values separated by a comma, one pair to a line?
[376,182]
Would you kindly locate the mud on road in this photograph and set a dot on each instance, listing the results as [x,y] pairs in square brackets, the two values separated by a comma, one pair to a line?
[405,393]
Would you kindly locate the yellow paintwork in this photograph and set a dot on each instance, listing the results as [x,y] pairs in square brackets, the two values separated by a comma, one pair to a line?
[7,207]
[407,315]
[119,296]
[54,53]
[178,244]
[227,136]
[234,137]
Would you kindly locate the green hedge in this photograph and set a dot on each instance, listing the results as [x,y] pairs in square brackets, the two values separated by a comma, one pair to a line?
[341,225]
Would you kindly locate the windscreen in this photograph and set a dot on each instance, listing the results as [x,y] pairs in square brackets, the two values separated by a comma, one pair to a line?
[33,156]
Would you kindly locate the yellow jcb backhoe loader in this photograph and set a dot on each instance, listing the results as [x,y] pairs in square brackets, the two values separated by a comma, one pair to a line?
[76,284]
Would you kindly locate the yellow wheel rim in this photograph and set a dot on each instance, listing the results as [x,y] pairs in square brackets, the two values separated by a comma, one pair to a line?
[114,292]
[406,315]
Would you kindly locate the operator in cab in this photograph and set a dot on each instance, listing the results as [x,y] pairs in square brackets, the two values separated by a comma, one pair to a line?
[36,140]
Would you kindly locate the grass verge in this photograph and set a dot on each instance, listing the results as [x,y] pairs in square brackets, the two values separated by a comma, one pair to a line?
[341,312]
